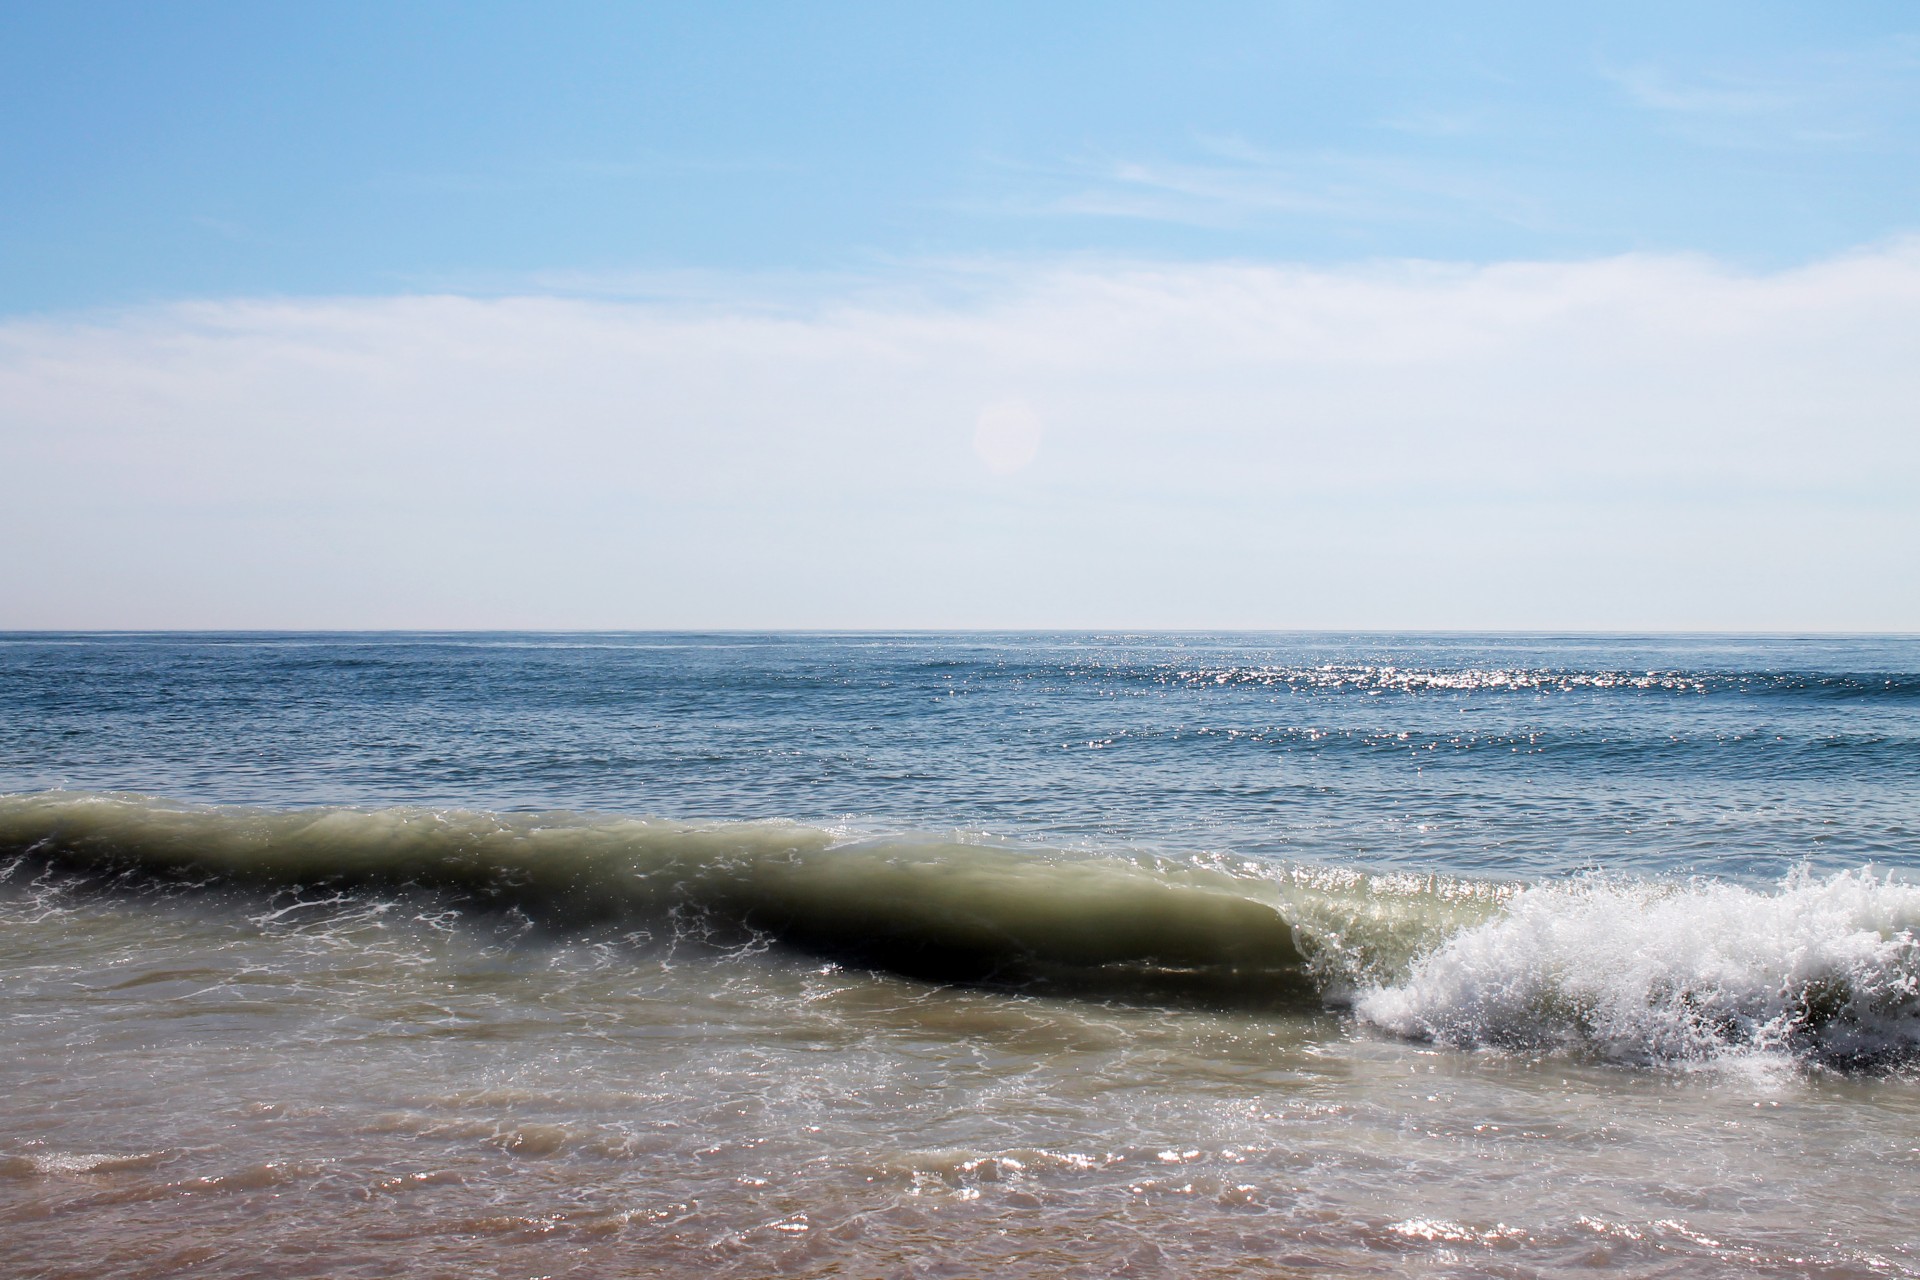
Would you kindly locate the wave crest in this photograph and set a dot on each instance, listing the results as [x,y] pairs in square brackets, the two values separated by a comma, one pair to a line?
[946,909]
[1818,969]
[1824,969]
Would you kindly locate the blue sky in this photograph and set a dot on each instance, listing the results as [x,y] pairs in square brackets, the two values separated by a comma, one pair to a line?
[165,151]
[1244,315]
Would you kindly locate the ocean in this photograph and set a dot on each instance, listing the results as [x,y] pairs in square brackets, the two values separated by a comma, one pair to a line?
[1081,955]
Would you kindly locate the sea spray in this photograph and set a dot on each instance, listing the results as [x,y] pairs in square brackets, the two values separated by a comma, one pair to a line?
[1820,968]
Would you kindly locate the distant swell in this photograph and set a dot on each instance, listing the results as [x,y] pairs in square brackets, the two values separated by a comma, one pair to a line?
[1815,969]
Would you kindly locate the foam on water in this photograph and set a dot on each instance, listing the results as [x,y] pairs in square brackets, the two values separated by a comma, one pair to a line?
[1820,968]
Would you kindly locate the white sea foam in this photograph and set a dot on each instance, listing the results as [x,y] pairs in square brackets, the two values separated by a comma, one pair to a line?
[1818,968]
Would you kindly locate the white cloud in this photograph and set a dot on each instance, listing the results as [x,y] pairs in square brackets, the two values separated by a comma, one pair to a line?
[1630,442]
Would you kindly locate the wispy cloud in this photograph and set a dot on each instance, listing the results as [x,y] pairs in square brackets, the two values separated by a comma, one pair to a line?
[1205,195]
[1834,98]
[552,172]
[1429,122]
[1649,86]
[1229,182]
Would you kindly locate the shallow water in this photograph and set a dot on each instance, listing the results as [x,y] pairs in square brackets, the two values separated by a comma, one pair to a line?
[984,1018]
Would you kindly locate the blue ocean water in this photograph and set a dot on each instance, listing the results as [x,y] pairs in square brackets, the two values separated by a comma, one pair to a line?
[933,955]
[1500,756]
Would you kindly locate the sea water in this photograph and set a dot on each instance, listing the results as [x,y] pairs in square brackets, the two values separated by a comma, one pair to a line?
[951,955]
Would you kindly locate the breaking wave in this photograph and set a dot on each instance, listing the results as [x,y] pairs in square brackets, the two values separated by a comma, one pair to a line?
[1818,968]
[1815,969]
[945,909]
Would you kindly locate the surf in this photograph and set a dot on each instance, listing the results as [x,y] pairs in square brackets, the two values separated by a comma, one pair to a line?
[1817,969]
[925,906]
[1821,970]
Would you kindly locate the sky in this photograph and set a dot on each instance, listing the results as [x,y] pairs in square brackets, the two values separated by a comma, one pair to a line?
[1263,316]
